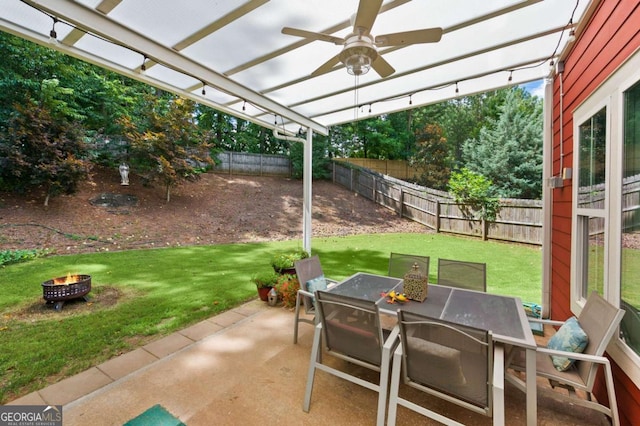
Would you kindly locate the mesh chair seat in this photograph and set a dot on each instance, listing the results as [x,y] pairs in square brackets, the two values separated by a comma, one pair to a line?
[400,264]
[599,319]
[462,274]
[450,361]
[351,331]
[306,270]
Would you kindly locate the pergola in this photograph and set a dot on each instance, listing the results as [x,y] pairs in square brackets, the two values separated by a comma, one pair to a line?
[233,56]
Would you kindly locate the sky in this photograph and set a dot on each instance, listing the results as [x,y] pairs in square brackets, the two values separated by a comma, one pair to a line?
[536,88]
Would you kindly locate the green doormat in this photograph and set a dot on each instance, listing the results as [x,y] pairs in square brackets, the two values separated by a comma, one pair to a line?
[155,416]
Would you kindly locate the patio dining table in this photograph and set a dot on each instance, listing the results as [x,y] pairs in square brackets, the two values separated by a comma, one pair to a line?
[503,315]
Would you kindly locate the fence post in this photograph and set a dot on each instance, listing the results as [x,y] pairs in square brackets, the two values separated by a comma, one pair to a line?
[373,186]
[230,162]
[401,202]
[485,230]
[351,179]
[438,208]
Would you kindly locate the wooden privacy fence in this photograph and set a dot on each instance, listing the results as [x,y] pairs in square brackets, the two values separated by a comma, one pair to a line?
[242,163]
[399,169]
[518,220]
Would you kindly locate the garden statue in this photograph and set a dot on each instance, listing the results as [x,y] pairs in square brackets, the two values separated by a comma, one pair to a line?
[124,174]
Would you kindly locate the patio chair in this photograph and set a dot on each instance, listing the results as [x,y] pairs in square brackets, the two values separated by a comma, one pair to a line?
[456,363]
[599,320]
[309,272]
[400,264]
[630,325]
[352,332]
[461,274]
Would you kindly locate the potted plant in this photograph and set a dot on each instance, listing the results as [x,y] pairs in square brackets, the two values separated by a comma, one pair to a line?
[287,287]
[264,282]
[284,263]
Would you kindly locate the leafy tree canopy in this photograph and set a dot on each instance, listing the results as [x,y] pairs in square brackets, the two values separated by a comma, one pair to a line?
[508,150]
[171,148]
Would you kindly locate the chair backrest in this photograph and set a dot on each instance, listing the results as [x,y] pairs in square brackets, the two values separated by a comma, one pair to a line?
[600,320]
[308,269]
[462,274]
[451,361]
[351,328]
[400,264]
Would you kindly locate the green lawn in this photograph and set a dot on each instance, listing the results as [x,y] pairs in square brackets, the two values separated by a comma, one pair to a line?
[163,290]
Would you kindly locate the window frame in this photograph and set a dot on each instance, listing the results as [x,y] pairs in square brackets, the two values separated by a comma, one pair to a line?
[609,94]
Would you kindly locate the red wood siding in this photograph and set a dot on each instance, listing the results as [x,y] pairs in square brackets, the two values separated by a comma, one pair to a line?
[611,36]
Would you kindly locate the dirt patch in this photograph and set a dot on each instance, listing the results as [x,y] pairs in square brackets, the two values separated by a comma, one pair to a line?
[216,209]
[100,298]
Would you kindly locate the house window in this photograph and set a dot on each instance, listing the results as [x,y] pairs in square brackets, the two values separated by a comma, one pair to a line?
[606,210]
[592,191]
[630,221]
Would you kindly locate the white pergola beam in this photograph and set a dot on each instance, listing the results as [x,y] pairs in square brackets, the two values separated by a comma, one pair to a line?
[88,19]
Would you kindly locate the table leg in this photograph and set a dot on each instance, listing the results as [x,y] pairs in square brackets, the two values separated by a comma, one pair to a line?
[498,384]
[532,399]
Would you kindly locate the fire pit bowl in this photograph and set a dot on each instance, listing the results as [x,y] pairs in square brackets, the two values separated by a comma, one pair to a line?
[61,289]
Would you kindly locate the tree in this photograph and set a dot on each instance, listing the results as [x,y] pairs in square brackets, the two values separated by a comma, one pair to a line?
[319,158]
[431,157]
[474,194]
[172,148]
[508,151]
[42,146]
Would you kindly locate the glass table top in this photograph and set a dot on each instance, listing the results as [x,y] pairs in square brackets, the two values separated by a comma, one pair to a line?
[366,286]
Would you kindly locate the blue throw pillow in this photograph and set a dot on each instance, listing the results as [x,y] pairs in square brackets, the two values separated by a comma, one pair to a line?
[570,338]
[317,283]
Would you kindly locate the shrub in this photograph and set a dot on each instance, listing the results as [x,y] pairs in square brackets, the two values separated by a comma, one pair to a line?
[287,288]
[16,256]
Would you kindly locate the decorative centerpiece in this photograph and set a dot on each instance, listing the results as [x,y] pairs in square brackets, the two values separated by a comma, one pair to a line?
[416,284]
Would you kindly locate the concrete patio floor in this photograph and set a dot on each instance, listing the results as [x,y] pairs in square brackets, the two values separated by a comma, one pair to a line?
[241,367]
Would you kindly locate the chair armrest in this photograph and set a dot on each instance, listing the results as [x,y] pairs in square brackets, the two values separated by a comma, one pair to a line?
[305,293]
[574,355]
[544,321]
[393,339]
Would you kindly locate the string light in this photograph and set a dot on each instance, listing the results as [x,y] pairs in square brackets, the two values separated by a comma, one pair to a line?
[143,67]
[204,92]
[572,32]
[510,76]
[244,103]
[410,101]
[457,91]
[369,108]
[53,35]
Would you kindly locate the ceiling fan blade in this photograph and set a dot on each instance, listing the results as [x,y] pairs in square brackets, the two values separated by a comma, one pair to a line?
[382,67]
[366,15]
[313,36]
[327,66]
[428,35]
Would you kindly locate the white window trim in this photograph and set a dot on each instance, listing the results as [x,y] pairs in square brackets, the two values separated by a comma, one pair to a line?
[609,94]
[583,113]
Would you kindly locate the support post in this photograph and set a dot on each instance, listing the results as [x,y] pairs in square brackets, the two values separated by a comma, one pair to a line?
[307,178]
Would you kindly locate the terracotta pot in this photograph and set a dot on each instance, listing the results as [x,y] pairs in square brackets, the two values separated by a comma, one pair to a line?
[263,292]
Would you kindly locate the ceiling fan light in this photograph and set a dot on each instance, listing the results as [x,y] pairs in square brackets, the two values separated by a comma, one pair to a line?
[358,64]
[358,57]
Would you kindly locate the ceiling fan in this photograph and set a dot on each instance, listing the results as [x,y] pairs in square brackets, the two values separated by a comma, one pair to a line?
[360,51]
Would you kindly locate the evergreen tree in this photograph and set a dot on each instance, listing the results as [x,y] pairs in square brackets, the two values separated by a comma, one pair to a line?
[509,150]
